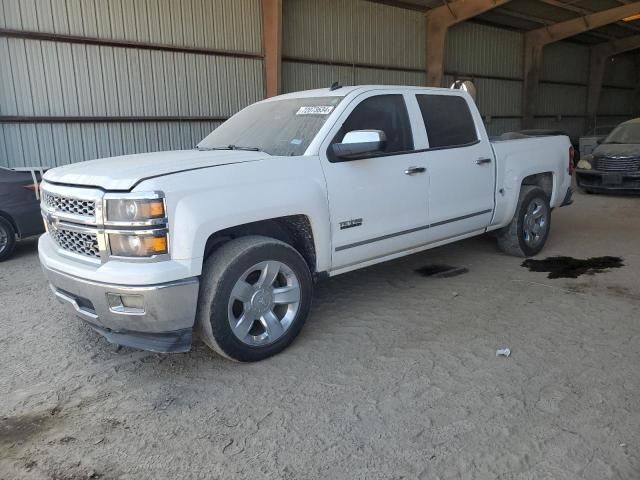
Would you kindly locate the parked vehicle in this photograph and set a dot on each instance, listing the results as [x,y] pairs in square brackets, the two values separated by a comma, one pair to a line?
[614,166]
[19,208]
[590,141]
[229,237]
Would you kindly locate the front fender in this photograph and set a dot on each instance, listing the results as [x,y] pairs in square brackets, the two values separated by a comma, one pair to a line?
[229,196]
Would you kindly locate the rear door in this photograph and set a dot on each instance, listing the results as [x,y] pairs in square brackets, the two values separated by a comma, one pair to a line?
[460,166]
[379,204]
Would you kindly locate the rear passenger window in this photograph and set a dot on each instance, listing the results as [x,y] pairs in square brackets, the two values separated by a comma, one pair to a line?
[382,112]
[448,120]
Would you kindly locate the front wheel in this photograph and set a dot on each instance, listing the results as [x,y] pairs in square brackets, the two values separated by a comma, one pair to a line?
[255,295]
[527,233]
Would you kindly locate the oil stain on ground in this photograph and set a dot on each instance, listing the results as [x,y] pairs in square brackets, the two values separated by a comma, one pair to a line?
[441,271]
[569,267]
[22,428]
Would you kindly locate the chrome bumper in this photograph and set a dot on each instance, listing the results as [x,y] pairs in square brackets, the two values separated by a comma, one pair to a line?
[163,323]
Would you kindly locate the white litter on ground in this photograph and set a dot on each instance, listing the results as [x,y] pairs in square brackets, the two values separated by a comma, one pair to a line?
[503,352]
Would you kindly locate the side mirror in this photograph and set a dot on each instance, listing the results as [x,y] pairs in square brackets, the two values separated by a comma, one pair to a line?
[360,144]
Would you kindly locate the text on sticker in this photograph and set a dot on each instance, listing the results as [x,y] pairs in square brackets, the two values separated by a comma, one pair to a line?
[317,110]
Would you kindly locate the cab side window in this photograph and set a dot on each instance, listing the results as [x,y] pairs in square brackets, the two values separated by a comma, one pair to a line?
[382,112]
[448,120]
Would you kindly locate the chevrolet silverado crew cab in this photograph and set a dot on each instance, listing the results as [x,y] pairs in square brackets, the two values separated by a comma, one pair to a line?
[227,239]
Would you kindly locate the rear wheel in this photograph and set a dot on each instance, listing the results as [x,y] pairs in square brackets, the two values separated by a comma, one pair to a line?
[7,239]
[527,233]
[255,295]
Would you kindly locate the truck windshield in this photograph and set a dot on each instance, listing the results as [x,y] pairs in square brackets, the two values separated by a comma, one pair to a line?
[625,133]
[280,127]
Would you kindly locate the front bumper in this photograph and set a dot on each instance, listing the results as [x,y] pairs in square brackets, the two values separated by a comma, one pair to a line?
[597,181]
[163,324]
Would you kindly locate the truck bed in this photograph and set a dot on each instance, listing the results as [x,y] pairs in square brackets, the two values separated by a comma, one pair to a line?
[520,157]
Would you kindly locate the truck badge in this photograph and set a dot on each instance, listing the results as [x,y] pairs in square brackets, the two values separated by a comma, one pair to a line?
[356,222]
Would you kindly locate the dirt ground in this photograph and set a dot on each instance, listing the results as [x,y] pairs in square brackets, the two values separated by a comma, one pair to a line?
[394,376]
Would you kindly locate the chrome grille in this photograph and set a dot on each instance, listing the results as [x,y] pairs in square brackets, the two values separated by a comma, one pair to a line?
[618,164]
[76,242]
[74,206]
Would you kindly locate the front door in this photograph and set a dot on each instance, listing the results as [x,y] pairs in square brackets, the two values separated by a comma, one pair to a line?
[378,204]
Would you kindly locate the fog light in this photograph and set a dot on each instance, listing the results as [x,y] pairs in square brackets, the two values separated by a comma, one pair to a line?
[126,304]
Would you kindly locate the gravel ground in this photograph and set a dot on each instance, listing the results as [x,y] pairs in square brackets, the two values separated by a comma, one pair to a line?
[394,376]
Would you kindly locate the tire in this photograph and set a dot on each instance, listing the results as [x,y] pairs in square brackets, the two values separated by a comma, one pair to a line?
[239,305]
[522,238]
[7,239]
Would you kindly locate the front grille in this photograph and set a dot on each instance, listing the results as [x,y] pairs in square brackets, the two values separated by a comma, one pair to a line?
[618,164]
[83,208]
[76,242]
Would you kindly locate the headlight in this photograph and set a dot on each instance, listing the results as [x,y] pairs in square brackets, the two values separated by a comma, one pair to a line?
[138,245]
[135,210]
[585,163]
[136,225]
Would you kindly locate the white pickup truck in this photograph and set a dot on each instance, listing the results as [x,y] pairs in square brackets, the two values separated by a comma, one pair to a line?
[228,238]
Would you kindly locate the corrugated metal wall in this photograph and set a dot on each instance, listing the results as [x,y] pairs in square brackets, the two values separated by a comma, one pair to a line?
[492,58]
[65,79]
[329,41]
[563,89]
[484,50]
[177,96]
[619,96]
[341,33]
[223,24]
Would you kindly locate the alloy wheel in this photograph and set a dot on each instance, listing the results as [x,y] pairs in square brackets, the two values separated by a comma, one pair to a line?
[535,222]
[263,303]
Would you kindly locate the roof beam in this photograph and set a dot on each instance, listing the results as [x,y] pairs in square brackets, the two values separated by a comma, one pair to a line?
[535,41]
[439,20]
[598,62]
[569,28]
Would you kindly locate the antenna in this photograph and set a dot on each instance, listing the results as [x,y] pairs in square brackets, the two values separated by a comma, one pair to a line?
[334,86]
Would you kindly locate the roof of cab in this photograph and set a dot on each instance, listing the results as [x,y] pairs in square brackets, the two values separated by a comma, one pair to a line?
[346,90]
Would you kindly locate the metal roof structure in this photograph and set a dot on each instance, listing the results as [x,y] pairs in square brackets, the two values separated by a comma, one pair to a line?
[524,15]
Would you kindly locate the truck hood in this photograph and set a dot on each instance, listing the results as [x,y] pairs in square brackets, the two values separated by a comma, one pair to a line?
[124,172]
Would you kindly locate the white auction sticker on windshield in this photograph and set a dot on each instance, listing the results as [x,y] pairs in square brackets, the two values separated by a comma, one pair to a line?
[315,110]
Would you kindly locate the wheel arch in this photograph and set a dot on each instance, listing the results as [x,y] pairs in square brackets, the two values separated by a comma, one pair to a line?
[507,197]
[544,180]
[10,219]
[294,230]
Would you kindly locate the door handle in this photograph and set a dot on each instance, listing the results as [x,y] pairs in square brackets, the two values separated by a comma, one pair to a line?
[482,161]
[414,170]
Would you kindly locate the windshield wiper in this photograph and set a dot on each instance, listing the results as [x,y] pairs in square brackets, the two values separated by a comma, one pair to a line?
[231,147]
